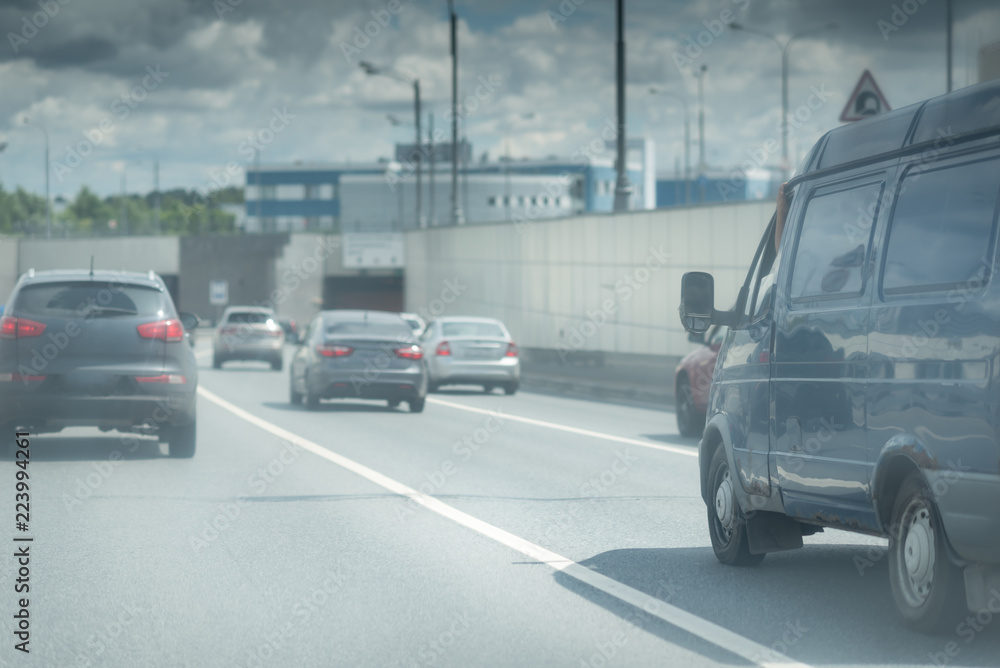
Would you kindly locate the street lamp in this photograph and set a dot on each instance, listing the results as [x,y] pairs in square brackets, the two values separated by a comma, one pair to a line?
[156,190]
[687,139]
[701,131]
[48,203]
[784,79]
[374,70]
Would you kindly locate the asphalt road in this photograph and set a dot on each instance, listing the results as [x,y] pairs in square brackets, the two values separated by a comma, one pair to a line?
[489,530]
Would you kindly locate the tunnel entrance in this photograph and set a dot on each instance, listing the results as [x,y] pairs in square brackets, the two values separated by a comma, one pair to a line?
[373,293]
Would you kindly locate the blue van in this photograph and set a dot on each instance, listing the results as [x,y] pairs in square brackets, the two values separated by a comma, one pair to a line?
[858,386]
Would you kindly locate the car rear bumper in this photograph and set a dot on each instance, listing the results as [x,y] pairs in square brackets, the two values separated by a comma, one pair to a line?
[267,351]
[362,384]
[48,412]
[454,372]
[970,510]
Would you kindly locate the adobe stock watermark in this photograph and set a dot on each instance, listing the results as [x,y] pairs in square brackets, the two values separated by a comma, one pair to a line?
[121,107]
[363,36]
[484,91]
[566,9]
[48,9]
[465,449]
[968,629]
[791,634]
[694,46]
[557,186]
[756,159]
[254,143]
[625,288]
[901,13]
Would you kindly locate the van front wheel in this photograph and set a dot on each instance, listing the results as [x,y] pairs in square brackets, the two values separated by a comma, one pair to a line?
[726,524]
[928,589]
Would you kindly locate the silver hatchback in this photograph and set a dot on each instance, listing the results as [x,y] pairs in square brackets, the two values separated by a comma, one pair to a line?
[248,333]
[471,351]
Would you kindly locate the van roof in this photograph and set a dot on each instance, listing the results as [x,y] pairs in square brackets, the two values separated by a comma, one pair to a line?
[966,112]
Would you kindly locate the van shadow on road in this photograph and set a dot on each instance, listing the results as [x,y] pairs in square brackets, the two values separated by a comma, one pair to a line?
[812,604]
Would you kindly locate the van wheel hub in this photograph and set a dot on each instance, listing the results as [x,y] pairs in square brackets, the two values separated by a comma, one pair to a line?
[918,553]
[724,504]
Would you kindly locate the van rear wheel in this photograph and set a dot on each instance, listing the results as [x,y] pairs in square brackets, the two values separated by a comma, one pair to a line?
[929,591]
[726,524]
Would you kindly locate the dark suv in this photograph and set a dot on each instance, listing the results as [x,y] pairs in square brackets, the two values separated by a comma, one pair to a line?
[100,348]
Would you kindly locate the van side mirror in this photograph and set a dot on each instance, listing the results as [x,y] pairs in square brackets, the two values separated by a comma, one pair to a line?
[695,337]
[697,301]
[698,305]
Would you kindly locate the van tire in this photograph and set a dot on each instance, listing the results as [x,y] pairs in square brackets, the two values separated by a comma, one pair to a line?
[731,547]
[690,423]
[935,602]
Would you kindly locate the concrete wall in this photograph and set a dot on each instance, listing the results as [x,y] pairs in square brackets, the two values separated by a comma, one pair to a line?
[594,282]
[120,254]
[300,269]
[8,267]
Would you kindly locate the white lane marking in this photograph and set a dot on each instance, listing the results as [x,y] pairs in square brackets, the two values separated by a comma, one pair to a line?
[573,430]
[681,619]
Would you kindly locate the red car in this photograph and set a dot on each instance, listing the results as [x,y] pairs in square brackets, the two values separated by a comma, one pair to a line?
[693,379]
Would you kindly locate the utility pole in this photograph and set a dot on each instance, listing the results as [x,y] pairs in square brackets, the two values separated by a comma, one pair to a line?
[124,207]
[623,191]
[456,211]
[430,141]
[48,200]
[420,222]
[156,194]
[948,47]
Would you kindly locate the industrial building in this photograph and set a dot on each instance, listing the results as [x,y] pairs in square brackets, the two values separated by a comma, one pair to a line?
[379,197]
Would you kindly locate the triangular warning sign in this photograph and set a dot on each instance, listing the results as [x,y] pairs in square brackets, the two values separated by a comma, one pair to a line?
[866,100]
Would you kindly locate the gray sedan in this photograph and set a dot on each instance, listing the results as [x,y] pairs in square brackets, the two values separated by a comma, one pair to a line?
[471,351]
[362,355]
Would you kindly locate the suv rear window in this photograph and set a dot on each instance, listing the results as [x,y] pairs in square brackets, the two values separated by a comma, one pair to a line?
[472,329]
[941,234]
[89,299]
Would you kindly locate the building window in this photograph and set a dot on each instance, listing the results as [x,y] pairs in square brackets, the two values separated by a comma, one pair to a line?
[534,201]
[506,200]
[492,201]
[558,203]
[311,192]
[268,192]
[545,201]
[325,191]
[520,200]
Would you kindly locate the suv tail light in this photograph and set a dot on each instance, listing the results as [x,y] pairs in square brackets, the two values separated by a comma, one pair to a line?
[511,349]
[413,352]
[330,350]
[170,331]
[16,377]
[14,328]
[443,349]
[170,379]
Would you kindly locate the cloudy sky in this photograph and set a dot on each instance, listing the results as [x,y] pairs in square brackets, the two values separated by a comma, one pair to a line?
[191,81]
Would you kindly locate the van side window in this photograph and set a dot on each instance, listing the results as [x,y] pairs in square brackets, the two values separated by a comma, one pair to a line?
[834,239]
[942,230]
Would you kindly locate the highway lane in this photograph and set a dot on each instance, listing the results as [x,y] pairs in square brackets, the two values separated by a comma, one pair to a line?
[139,551]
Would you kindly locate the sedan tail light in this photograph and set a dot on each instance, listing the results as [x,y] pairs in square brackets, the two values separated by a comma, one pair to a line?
[330,350]
[443,349]
[18,378]
[413,352]
[170,331]
[14,328]
[511,349]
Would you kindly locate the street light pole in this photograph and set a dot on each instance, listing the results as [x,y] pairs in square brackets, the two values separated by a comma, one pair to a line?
[456,212]
[687,139]
[623,190]
[784,81]
[373,70]
[948,47]
[701,130]
[432,217]
[48,201]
